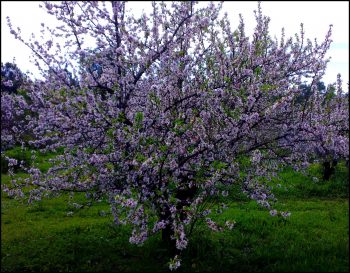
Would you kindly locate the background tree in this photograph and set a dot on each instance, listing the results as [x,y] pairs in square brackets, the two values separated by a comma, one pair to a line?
[184,108]
[332,111]
[306,91]
[11,78]
[12,116]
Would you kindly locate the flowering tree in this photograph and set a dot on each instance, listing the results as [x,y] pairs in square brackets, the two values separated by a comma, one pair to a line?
[171,110]
[331,123]
[331,114]
[12,79]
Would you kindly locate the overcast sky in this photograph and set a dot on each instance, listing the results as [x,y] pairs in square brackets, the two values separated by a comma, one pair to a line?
[316,16]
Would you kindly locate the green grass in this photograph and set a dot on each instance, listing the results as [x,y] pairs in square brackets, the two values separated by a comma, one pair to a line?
[314,238]
[25,155]
[291,184]
[42,237]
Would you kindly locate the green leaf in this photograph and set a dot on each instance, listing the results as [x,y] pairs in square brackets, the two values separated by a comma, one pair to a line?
[218,165]
[182,53]
[179,122]
[154,98]
[110,132]
[140,157]
[267,87]
[138,119]
[163,148]
[191,148]
[121,117]
[257,71]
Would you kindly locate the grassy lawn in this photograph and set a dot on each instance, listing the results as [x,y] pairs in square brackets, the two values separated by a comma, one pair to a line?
[44,237]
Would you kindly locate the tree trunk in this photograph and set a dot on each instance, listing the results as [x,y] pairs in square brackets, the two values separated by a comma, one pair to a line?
[334,162]
[185,196]
[168,243]
[329,169]
[168,232]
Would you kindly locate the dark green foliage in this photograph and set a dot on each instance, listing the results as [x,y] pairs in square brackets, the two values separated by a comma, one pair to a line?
[10,72]
[306,92]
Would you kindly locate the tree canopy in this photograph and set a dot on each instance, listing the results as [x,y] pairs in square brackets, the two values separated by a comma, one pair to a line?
[173,110]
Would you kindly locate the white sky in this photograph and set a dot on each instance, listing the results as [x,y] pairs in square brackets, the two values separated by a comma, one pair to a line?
[316,16]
